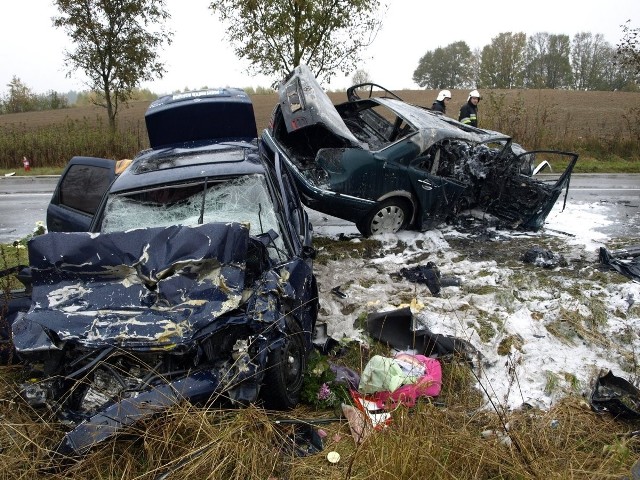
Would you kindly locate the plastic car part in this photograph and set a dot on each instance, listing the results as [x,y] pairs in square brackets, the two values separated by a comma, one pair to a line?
[617,396]
[285,369]
[389,216]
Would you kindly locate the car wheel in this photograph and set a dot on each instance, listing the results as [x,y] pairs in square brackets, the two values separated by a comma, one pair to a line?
[285,370]
[389,216]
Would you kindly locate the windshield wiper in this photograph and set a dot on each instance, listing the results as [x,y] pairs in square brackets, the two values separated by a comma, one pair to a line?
[260,217]
[204,196]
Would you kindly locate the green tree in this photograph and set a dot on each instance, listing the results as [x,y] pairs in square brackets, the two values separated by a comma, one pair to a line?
[116,44]
[275,36]
[51,100]
[20,97]
[547,61]
[448,67]
[558,62]
[503,61]
[536,50]
[590,55]
[474,66]
[619,76]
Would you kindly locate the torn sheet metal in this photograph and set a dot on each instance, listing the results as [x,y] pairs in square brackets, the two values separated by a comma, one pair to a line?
[542,257]
[110,289]
[626,261]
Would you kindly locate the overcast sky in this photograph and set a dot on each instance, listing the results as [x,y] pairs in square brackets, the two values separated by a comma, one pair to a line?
[32,49]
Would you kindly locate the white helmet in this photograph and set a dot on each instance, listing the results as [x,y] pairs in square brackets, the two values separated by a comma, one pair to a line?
[443,94]
[474,93]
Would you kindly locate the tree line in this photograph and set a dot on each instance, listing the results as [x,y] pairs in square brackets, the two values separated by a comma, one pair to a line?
[21,98]
[542,60]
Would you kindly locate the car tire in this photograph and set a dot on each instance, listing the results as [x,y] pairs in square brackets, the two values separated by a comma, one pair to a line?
[389,216]
[285,370]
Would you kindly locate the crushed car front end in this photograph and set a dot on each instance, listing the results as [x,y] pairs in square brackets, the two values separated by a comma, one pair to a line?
[124,324]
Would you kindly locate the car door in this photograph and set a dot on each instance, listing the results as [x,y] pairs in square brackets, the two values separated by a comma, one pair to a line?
[78,193]
[437,196]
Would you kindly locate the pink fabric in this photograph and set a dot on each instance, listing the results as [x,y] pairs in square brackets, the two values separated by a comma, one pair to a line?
[428,385]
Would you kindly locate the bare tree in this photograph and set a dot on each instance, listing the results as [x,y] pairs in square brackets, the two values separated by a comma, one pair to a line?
[276,36]
[361,76]
[628,50]
[116,43]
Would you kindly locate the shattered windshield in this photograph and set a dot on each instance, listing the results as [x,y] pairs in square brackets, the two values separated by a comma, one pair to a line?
[242,199]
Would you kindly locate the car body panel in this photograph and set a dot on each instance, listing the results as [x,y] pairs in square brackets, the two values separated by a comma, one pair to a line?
[314,196]
[151,288]
[78,193]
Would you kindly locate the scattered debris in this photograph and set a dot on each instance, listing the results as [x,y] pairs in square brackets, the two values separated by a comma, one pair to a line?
[429,275]
[626,261]
[333,457]
[337,292]
[542,257]
[617,396]
[396,328]
[305,440]
[359,424]
[400,380]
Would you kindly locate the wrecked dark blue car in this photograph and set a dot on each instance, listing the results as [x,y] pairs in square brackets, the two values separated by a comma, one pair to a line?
[387,165]
[193,279]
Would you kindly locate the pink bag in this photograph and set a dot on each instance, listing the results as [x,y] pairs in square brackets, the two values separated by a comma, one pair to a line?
[428,385]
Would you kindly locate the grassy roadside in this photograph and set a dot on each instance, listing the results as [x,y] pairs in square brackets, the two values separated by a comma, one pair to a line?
[457,436]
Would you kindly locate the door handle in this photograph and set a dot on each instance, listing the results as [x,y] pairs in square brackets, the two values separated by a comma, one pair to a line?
[426,184]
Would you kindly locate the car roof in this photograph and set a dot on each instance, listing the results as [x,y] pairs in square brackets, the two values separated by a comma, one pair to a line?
[310,105]
[159,167]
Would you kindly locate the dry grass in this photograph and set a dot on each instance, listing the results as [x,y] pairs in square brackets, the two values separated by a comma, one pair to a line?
[452,439]
[576,113]
[601,125]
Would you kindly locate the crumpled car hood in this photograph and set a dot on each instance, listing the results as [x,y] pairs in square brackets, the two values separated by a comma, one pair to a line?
[149,288]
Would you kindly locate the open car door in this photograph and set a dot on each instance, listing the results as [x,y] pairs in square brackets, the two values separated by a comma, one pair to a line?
[79,192]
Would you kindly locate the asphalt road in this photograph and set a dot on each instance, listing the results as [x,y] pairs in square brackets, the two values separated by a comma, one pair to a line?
[23,202]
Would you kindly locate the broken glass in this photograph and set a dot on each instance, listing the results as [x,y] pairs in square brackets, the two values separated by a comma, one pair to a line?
[242,199]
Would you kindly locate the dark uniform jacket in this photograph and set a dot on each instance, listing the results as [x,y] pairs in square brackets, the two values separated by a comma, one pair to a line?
[469,114]
[439,106]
